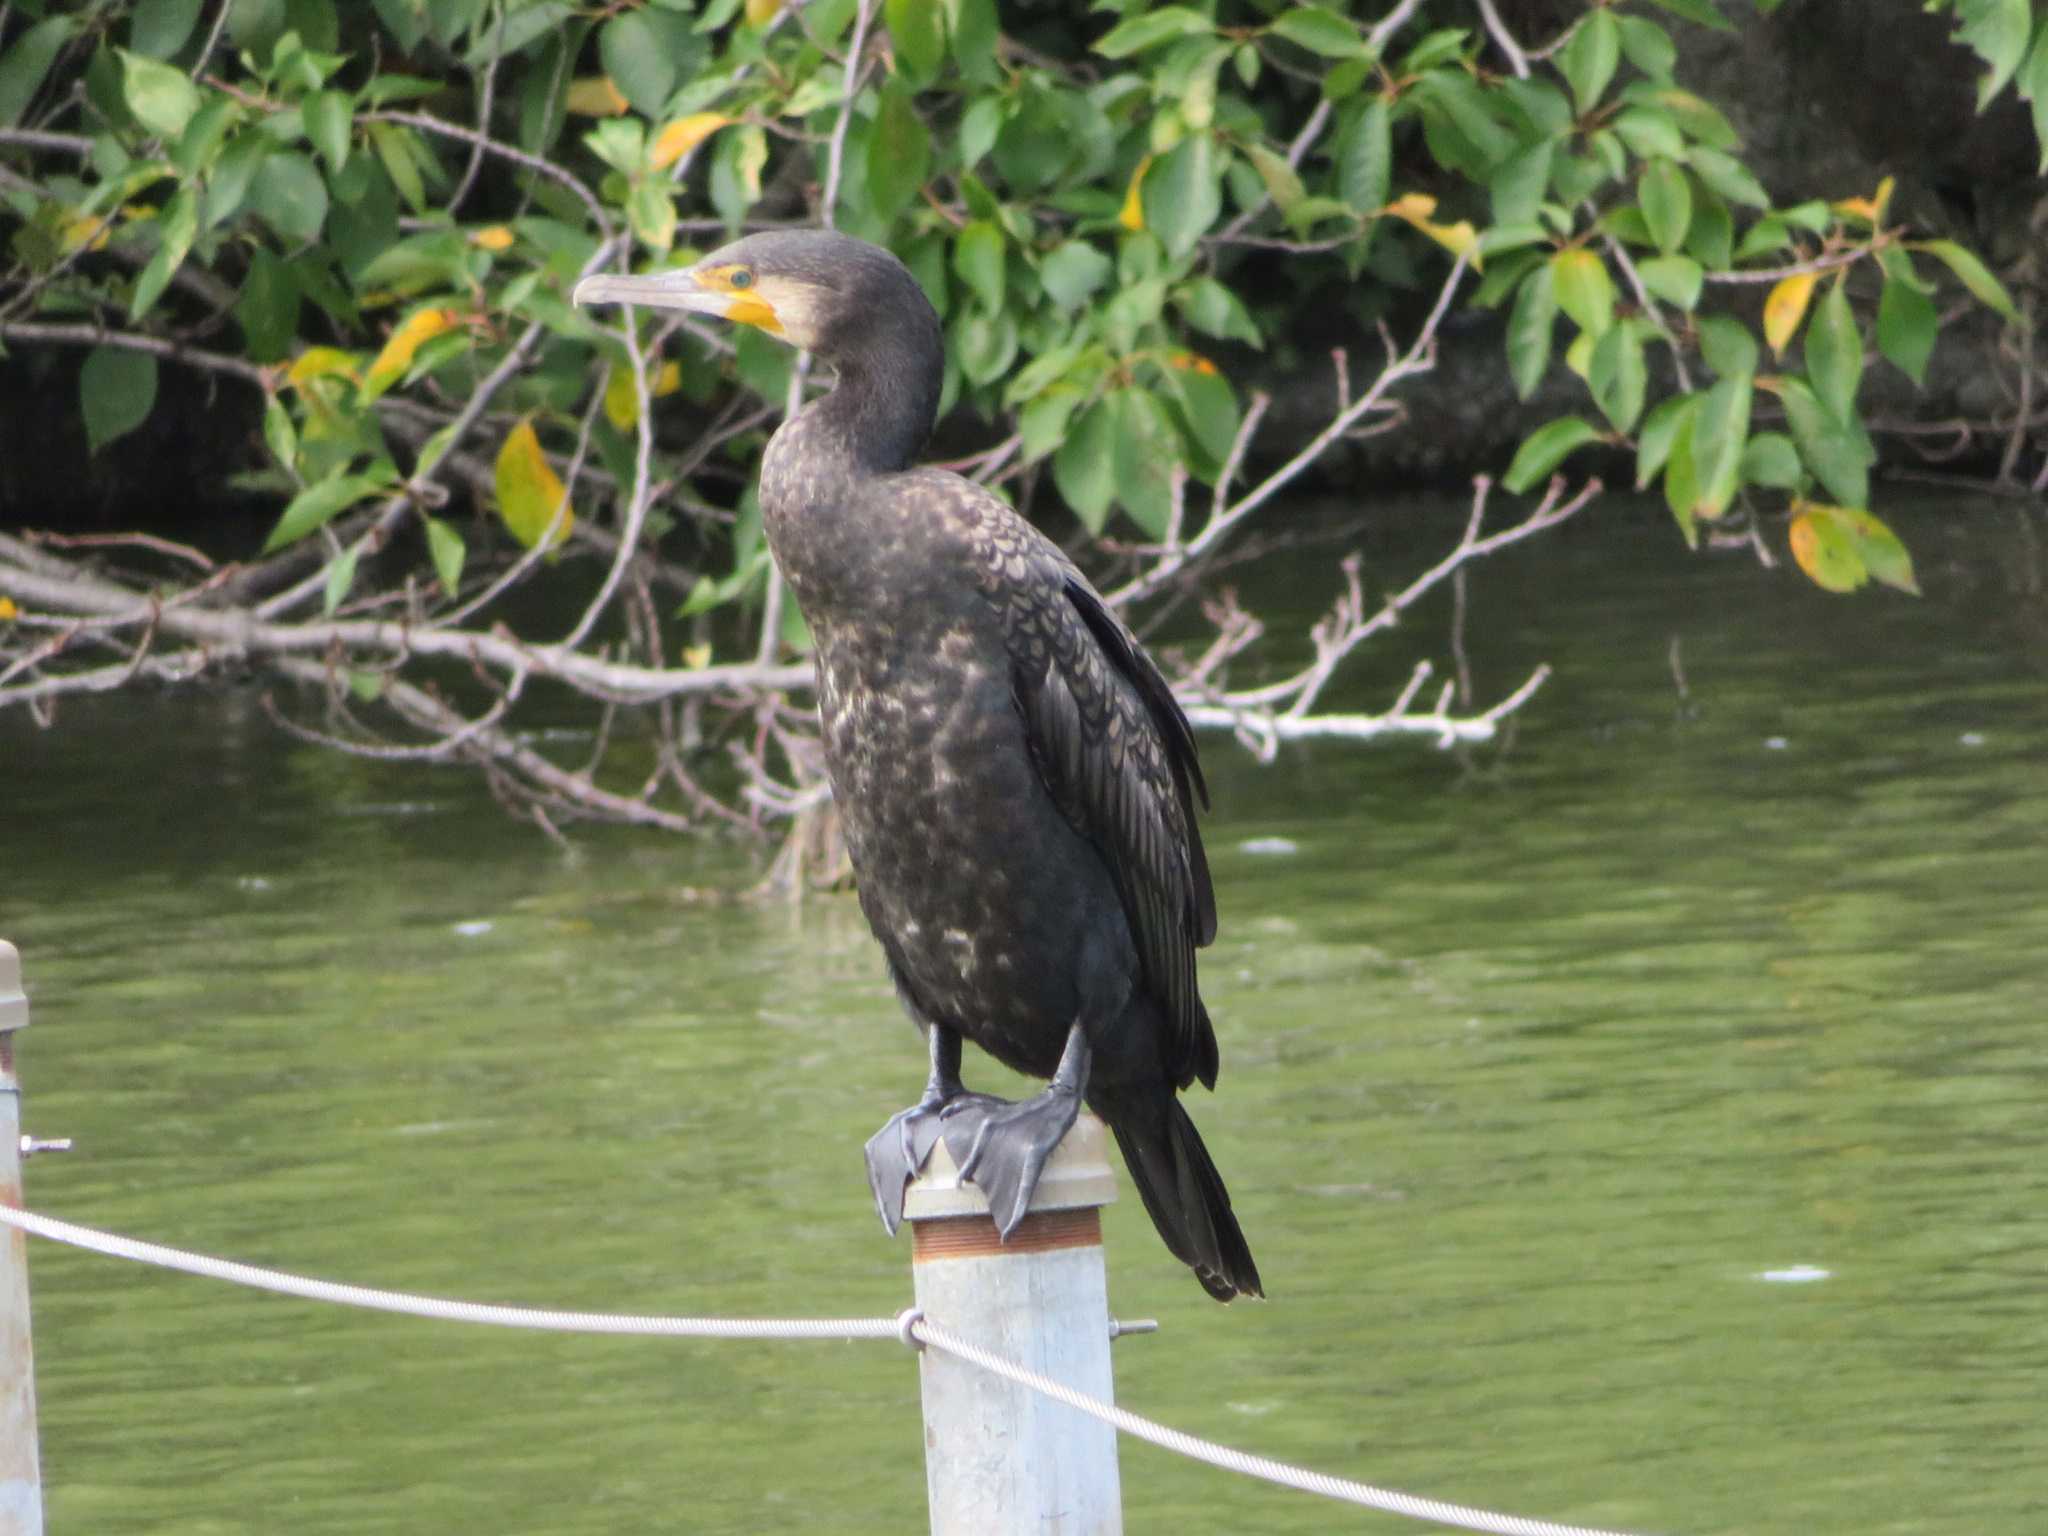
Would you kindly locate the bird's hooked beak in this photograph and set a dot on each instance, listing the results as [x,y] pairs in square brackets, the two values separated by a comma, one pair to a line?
[700,289]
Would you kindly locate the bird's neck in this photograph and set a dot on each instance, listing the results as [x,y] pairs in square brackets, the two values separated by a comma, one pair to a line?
[881,410]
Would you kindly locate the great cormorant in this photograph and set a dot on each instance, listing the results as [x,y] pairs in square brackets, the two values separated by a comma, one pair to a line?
[1015,782]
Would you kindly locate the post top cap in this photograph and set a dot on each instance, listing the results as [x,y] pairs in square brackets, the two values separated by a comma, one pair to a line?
[1077,1174]
[13,1001]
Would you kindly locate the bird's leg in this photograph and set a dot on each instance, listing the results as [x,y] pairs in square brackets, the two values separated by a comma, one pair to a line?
[1012,1141]
[899,1148]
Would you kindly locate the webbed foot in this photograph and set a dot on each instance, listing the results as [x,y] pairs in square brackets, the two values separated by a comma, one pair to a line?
[1006,1147]
[897,1151]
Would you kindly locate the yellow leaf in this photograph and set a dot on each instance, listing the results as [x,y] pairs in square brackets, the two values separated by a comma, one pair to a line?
[530,493]
[1869,209]
[1460,239]
[1786,307]
[1132,217]
[319,363]
[87,230]
[696,657]
[496,238]
[621,405]
[596,96]
[761,12]
[419,327]
[1191,362]
[678,138]
[8,612]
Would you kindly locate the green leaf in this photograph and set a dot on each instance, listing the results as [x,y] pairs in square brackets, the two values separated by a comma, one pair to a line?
[1584,290]
[1720,431]
[1681,473]
[159,28]
[341,575]
[1713,232]
[1974,275]
[161,98]
[28,61]
[1083,468]
[1834,352]
[175,227]
[1151,28]
[1215,311]
[899,153]
[1649,131]
[1661,430]
[1701,11]
[737,161]
[1530,325]
[288,195]
[1839,455]
[639,57]
[1208,410]
[200,142]
[1320,31]
[320,503]
[330,118]
[1619,375]
[1074,272]
[1183,194]
[446,549]
[1996,31]
[1365,158]
[1907,322]
[974,30]
[1667,204]
[280,436]
[1589,59]
[1728,176]
[1648,46]
[917,29]
[978,259]
[1283,185]
[1728,346]
[1771,460]
[1674,279]
[1147,451]
[116,389]
[1042,424]
[1546,448]
[1517,188]
[985,344]
[2033,87]
[1881,550]
[390,142]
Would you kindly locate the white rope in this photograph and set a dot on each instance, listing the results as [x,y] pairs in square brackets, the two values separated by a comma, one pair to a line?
[911,1327]
[1388,1500]
[449,1311]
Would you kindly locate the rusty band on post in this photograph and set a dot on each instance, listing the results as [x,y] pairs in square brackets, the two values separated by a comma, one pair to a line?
[975,1237]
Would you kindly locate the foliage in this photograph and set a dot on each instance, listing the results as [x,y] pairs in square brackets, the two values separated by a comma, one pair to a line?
[373,215]
[1082,222]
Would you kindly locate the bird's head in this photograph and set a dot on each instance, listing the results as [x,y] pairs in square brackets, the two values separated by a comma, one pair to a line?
[812,288]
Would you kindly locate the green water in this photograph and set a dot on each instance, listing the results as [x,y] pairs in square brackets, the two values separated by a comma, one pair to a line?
[1532,1069]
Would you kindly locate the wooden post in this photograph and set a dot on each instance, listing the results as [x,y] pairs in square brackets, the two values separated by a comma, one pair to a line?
[1001,1460]
[21,1492]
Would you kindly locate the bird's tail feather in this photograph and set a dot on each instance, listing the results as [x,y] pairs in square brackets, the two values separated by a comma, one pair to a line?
[1184,1195]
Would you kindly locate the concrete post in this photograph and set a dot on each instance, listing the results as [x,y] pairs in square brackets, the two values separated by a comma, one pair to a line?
[21,1492]
[1000,1460]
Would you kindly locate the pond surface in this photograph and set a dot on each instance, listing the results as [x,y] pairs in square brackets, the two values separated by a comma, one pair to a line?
[1644,1126]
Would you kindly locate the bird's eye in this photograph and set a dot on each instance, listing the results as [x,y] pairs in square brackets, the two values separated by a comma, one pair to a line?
[741,279]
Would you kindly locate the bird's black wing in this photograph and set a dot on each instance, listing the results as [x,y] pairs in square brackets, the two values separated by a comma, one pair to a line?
[1117,755]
